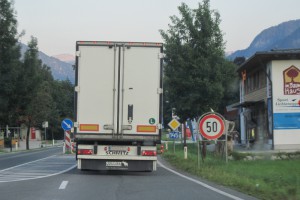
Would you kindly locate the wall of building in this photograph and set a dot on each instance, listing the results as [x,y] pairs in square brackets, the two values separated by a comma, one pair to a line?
[37,133]
[286,103]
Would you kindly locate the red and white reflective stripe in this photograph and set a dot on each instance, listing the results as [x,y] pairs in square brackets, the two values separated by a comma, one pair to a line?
[73,146]
[68,140]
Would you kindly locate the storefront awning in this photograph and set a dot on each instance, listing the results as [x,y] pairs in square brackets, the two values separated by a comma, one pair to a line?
[248,104]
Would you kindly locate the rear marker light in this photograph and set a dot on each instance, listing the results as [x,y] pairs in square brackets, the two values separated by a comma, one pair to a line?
[148,153]
[85,151]
[146,128]
[89,127]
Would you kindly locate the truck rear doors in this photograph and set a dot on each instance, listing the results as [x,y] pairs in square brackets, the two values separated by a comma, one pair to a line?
[118,90]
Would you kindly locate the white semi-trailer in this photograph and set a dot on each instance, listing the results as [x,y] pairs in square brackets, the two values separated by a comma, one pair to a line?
[118,105]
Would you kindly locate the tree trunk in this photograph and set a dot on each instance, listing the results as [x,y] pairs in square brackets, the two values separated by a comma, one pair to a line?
[204,149]
[27,137]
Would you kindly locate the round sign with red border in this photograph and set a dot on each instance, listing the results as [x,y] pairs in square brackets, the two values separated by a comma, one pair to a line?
[211,126]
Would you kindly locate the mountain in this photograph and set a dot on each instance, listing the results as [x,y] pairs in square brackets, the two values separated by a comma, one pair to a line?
[60,70]
[283,36]
[65,58]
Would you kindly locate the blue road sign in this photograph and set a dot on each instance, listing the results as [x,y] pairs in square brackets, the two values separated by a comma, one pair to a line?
[174,135]
[67,124]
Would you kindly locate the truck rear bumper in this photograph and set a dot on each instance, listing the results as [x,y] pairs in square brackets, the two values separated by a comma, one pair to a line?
[99,157]
[113,164]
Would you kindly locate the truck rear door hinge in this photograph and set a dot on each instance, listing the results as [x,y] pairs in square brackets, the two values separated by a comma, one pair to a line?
[78,53]
[159,90]
[77,89]
[161,55]
[159,126]
[75,124]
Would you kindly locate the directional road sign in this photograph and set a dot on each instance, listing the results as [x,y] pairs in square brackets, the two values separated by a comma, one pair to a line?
[174,135]
[174,124]
[67,124]
[211,126]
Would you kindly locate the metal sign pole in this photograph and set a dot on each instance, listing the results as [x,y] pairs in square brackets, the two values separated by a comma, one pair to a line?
[226,143]
[67,125]
[173,146]
[45,137]
[198,153]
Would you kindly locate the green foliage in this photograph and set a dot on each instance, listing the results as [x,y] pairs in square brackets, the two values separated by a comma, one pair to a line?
[28,92]
[63,96]
[196,71]
[9,62]
[43,98]
[264,179]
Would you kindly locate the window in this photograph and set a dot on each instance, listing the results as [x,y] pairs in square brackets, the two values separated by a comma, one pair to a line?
[255,81]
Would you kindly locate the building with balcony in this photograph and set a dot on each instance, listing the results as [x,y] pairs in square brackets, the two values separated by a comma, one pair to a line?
[269,105]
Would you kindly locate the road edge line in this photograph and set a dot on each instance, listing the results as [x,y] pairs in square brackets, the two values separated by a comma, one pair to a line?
[201,183]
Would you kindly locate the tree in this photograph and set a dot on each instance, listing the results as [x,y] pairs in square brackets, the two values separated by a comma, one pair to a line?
[31,106]
[9,62]
[28,93]
[230,83]
[63,96]
[196,71]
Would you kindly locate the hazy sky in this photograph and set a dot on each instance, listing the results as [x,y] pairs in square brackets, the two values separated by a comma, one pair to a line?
[58,24]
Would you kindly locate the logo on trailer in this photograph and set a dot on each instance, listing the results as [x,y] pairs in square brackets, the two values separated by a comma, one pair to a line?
[116,164]
[151,121]
[117,151]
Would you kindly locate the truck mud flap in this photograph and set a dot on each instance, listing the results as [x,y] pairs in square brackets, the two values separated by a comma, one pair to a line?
[123,165]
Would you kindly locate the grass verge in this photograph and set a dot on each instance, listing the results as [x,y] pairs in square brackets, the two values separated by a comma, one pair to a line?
[264,179]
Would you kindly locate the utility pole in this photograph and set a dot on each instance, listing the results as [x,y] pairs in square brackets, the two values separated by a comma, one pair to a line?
[45,125]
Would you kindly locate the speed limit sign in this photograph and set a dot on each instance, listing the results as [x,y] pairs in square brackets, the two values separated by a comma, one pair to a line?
[211,126]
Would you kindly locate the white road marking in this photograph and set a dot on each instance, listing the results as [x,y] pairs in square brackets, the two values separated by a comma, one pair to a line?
[45,167]
[63,185]
[201,183]
[24,164]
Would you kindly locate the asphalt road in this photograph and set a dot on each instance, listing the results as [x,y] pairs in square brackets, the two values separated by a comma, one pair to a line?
[16,158]
[49,175]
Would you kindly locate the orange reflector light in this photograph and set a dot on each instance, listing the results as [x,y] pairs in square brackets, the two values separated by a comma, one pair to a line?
[149,129]
[148,153]
[85,151]
[89,127]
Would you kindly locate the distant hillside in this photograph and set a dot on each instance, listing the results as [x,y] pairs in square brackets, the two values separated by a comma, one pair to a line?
[60,70]
[66,58]
[283,36]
